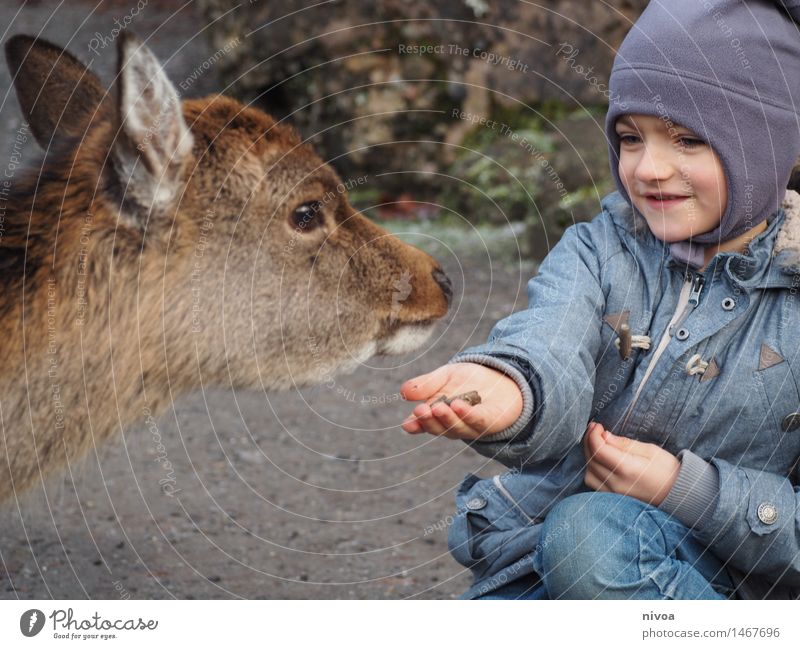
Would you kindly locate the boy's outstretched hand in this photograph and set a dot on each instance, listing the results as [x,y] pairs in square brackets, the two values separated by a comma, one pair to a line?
[627,466]
[500,406]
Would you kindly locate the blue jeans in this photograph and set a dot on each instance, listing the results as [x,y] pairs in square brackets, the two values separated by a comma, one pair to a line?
[600,545]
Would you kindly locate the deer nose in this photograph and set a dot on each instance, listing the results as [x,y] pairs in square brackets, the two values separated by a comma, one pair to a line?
[444,283]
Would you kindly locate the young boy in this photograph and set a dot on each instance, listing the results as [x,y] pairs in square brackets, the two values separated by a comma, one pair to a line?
[694,493]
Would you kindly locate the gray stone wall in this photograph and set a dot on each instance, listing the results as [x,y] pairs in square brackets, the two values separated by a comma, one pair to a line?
[397,89]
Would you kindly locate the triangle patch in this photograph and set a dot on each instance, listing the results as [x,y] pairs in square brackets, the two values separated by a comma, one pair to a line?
[617,319]
[711,371]
[768,357]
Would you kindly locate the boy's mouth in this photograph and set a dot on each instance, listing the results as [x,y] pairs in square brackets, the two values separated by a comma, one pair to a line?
[664,200]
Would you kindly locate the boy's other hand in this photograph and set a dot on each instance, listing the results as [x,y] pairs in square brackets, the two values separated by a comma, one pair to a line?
[500,406]
[627,466]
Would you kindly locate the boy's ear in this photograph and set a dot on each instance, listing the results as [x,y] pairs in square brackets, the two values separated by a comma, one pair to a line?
[57,93]
[152,140]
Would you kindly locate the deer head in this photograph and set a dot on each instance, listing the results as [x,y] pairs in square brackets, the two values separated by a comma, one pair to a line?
[185,243]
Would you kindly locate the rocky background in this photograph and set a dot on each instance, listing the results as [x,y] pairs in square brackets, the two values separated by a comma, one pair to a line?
[397,90]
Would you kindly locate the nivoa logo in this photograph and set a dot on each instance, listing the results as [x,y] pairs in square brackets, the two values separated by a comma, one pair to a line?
[31,622]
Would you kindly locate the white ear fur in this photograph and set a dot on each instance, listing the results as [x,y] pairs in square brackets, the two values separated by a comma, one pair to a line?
[152,140]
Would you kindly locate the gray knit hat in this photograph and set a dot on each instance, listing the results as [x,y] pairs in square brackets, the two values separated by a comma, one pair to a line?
[729,70]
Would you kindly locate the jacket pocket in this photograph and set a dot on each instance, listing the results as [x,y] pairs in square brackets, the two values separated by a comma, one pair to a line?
[778,393]
[487,532]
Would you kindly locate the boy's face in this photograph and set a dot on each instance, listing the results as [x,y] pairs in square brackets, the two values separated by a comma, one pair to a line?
[673,178]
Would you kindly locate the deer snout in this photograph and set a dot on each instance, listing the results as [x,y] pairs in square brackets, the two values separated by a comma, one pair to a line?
[444,283]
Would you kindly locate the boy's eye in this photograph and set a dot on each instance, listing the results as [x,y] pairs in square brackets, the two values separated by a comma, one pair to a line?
[628,138]
[689,142]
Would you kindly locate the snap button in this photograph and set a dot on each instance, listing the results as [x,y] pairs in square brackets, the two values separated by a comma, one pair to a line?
[476,503]
[682,334]
[767,513]
[791,422]
[728,303]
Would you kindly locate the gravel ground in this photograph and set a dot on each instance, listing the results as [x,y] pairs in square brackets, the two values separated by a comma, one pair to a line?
[314,493]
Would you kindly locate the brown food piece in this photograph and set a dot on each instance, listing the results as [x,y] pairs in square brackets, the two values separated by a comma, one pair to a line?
[472,398]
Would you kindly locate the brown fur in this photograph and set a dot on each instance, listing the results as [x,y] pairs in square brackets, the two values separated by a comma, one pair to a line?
[126,285]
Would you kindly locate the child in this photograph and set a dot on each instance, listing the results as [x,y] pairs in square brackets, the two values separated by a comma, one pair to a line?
[670,324]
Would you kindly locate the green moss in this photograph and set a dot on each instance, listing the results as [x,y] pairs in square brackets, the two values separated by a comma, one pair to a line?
[521,166]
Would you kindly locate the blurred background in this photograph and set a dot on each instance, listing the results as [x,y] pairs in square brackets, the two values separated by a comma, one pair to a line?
[471,129]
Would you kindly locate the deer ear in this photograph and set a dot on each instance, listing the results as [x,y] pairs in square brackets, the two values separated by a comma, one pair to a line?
[57,93]
[152,141]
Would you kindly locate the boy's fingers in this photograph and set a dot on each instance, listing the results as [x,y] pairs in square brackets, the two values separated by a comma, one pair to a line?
[598,479]
[608,456]
[587,453]
[427,421]
[422,410]
[625,444]
[411,425]
[593,441]
[470,415]
[456,428]
[426,385]
[432,426]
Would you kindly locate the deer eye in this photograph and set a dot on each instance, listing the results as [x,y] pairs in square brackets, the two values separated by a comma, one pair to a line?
[307,216]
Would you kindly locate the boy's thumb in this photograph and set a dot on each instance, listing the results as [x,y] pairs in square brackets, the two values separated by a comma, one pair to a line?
[425,385]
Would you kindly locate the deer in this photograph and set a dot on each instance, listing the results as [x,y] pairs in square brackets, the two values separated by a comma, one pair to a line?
[156,244]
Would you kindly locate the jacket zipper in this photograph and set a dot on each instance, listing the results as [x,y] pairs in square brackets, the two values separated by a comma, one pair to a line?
[694,299]
[695,282]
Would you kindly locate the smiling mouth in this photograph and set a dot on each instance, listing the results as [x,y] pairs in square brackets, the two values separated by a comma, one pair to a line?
[665,200]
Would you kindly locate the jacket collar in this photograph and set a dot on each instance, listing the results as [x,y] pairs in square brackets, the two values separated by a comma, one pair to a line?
[772,258]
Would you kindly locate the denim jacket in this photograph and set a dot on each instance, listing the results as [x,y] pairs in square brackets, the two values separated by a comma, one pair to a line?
[705,364]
